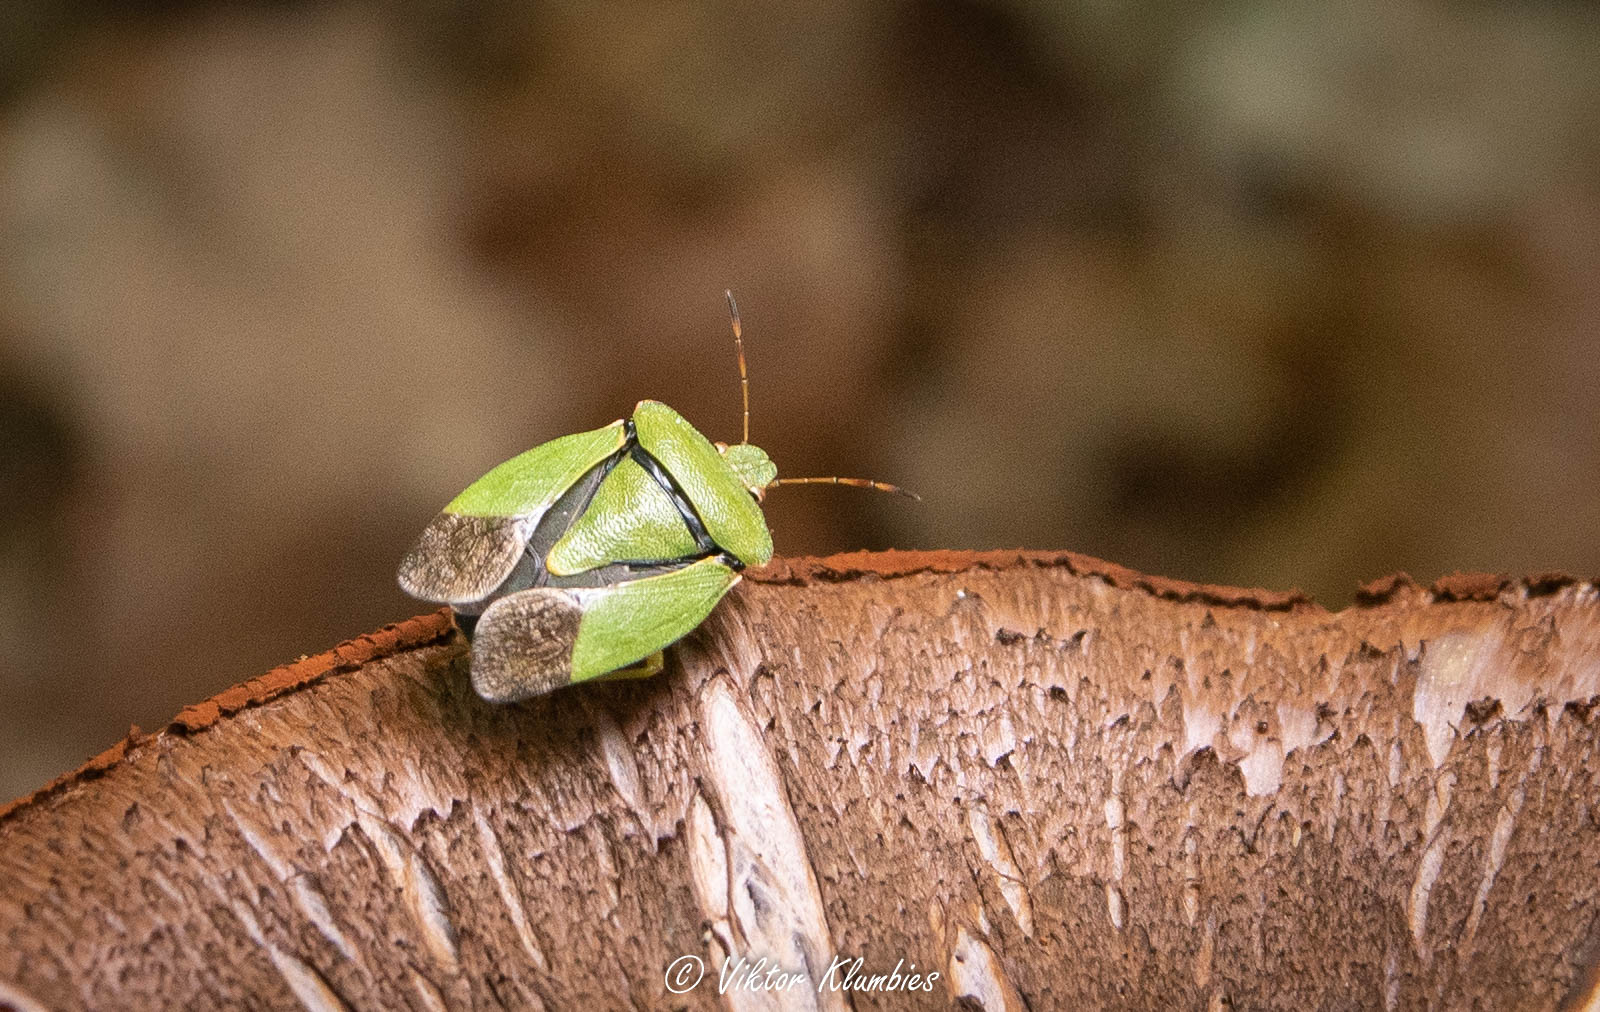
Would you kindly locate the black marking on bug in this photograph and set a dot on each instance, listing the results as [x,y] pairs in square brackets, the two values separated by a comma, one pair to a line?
[704,545]
[567,508]
[680,499]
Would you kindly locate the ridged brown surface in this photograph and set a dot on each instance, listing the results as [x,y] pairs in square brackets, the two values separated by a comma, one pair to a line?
[1043,777]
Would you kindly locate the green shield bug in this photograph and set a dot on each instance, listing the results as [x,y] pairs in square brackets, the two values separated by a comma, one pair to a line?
[585,556]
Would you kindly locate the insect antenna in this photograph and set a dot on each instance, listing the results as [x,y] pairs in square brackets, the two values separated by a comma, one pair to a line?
[881,486]
[738,343]
[744,392]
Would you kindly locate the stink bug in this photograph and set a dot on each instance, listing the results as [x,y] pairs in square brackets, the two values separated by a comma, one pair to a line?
[585,556]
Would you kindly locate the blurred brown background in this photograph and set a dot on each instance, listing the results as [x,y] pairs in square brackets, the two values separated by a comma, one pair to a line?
[1262,293]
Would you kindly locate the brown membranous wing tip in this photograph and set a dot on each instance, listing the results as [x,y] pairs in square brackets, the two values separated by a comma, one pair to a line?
[522,644]
[461,559]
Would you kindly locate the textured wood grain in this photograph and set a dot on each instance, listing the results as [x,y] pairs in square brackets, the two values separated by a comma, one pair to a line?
[1049,780]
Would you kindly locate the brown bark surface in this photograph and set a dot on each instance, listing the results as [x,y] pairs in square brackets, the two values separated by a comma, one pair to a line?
[1054,782]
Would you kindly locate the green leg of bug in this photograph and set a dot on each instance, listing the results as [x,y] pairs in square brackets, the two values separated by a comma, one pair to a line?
[651,665]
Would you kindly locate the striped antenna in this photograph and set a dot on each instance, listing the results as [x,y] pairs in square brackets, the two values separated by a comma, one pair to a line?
[881,486]
[738,342]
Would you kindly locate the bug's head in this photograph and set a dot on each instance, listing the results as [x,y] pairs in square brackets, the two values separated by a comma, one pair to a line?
[755,469]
